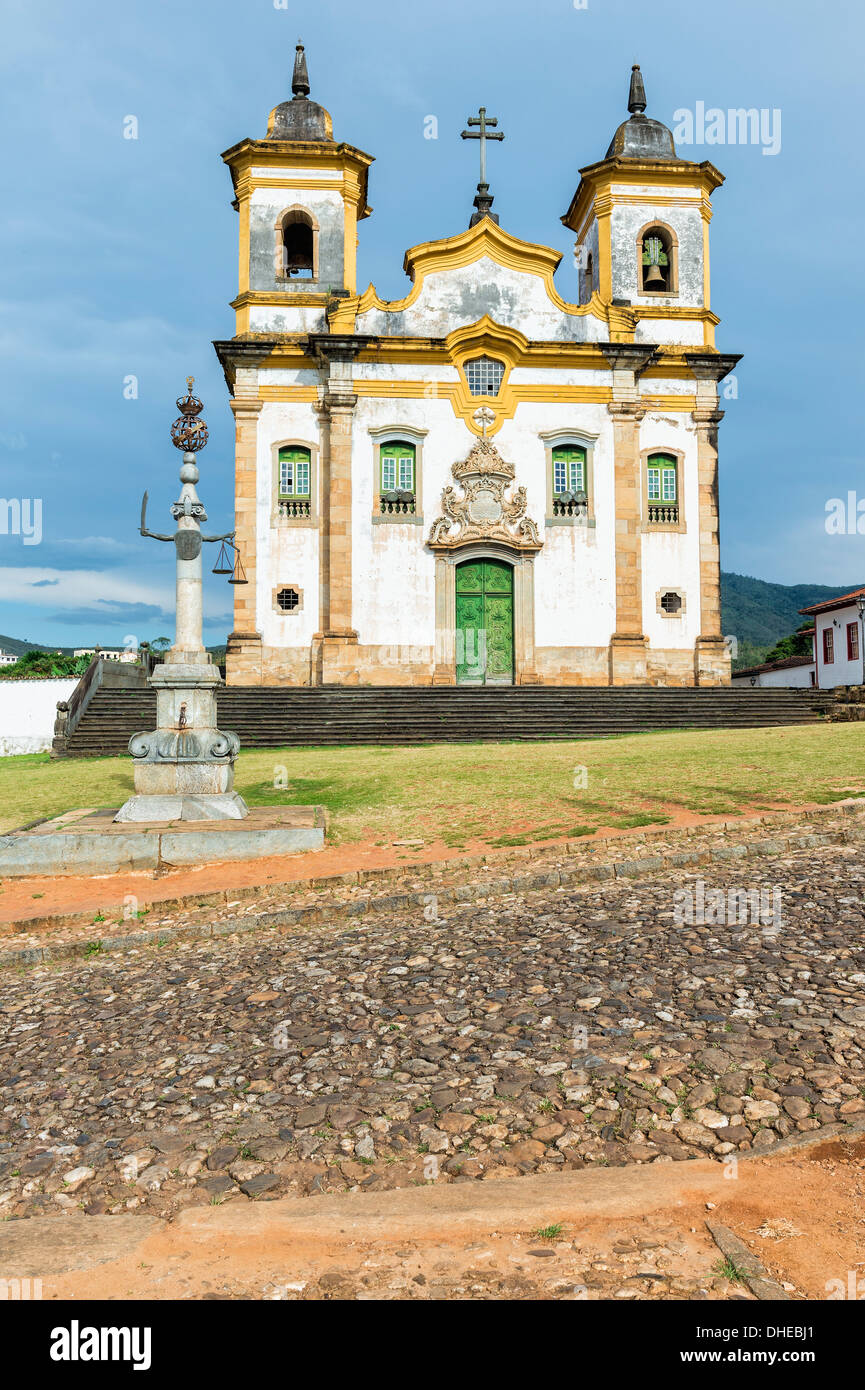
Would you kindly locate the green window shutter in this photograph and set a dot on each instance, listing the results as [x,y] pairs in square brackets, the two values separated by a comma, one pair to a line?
[569,470]
[397,467]
[663,483]
[294,472]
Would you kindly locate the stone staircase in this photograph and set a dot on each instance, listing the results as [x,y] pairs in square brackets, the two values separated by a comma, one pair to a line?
[281,716]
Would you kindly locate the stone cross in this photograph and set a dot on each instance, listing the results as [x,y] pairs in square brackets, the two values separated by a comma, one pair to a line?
[483,133]
[484,417]
[484,123]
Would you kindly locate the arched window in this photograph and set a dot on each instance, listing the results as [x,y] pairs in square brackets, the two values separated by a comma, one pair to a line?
[570,497]
[657,261]
[484,375]
[588,278]
[297,245]
[662,488]
[397,481]
[294,482]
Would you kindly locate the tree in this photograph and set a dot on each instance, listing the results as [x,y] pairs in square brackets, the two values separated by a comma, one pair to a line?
[799,643]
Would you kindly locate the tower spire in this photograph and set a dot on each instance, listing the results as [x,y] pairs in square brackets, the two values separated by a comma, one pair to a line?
[300,77]
[637,92]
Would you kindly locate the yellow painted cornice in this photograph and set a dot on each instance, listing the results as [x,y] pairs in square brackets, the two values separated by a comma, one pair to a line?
[597,180]
[281,299]
[347,162]
[486,336]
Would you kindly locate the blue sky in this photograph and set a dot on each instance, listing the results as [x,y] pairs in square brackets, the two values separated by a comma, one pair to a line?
[119,256]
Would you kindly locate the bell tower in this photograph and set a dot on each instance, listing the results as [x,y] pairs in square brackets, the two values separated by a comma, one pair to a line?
[641,217]
[299,195]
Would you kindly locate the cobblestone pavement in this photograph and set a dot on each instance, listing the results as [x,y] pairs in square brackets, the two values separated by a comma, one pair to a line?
[523,1034]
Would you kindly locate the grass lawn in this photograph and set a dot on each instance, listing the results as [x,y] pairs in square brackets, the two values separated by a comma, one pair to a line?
[502,793]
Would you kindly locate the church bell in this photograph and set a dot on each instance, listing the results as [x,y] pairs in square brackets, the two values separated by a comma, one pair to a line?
[654,278]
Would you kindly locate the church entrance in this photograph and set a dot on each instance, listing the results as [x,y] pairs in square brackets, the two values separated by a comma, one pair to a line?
[485,623]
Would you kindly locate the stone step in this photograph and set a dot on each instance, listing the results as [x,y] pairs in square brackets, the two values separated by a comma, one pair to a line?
[273,717]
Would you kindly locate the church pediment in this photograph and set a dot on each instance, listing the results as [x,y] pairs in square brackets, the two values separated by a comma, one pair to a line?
[484,509]
[483,272]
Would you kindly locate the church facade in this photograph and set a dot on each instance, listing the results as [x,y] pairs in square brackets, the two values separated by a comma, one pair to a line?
[481,482]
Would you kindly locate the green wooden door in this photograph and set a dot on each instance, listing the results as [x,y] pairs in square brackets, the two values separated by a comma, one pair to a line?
[485,623]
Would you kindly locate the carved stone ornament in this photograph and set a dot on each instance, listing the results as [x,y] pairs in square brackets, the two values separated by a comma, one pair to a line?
[484,512]
[168,745]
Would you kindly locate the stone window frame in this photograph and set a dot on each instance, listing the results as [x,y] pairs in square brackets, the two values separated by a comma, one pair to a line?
[671,589]
[673,291]
[393,434]
[562,439]
[679,455]
[277,518]
[279,268]
[286,612]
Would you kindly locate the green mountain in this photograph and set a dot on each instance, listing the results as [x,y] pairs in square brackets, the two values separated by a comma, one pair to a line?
[17,647]
[759,614]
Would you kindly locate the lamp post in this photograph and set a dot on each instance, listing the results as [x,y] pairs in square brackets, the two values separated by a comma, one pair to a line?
[184,768]
[861,607]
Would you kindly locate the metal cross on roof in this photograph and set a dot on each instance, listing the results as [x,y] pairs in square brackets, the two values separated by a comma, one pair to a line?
[483,133]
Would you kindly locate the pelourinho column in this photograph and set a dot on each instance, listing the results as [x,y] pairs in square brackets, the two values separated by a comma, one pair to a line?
[628,642]
[711,657]
[243,649]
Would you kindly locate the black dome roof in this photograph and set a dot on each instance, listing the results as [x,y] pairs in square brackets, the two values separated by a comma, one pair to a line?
[641,137]
[300,118]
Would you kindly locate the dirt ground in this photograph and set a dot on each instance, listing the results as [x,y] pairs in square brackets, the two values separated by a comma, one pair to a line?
[629,1234]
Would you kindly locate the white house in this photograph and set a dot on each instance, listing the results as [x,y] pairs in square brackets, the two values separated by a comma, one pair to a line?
[792,671]
[838,639]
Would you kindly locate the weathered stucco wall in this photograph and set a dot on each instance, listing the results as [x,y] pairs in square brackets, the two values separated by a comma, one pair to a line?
[626,221]
[450,298]
[324,205]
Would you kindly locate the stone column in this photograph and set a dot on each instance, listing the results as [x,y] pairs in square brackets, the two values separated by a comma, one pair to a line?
[445,669]
[524,621]
[243,650]
[711,658]
[628,642]
[335,655]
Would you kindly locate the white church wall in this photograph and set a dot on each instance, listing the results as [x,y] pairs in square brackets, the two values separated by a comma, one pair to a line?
[292,318]
[671,559]
[684,332]
[288,553]
[393,575]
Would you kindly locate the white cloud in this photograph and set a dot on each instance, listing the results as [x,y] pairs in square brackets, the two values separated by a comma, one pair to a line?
[76,588]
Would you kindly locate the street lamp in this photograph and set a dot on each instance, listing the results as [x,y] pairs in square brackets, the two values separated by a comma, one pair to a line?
[861,607]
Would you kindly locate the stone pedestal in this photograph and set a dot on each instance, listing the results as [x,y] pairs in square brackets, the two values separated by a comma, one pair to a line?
[628,659]
[184,769]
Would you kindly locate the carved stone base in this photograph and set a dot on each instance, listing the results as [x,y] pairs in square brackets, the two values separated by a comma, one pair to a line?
[335,658]
[150,809]
[628,655]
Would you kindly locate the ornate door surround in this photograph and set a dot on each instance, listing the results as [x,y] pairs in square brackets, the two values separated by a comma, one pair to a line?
[484,523]
[484,622]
